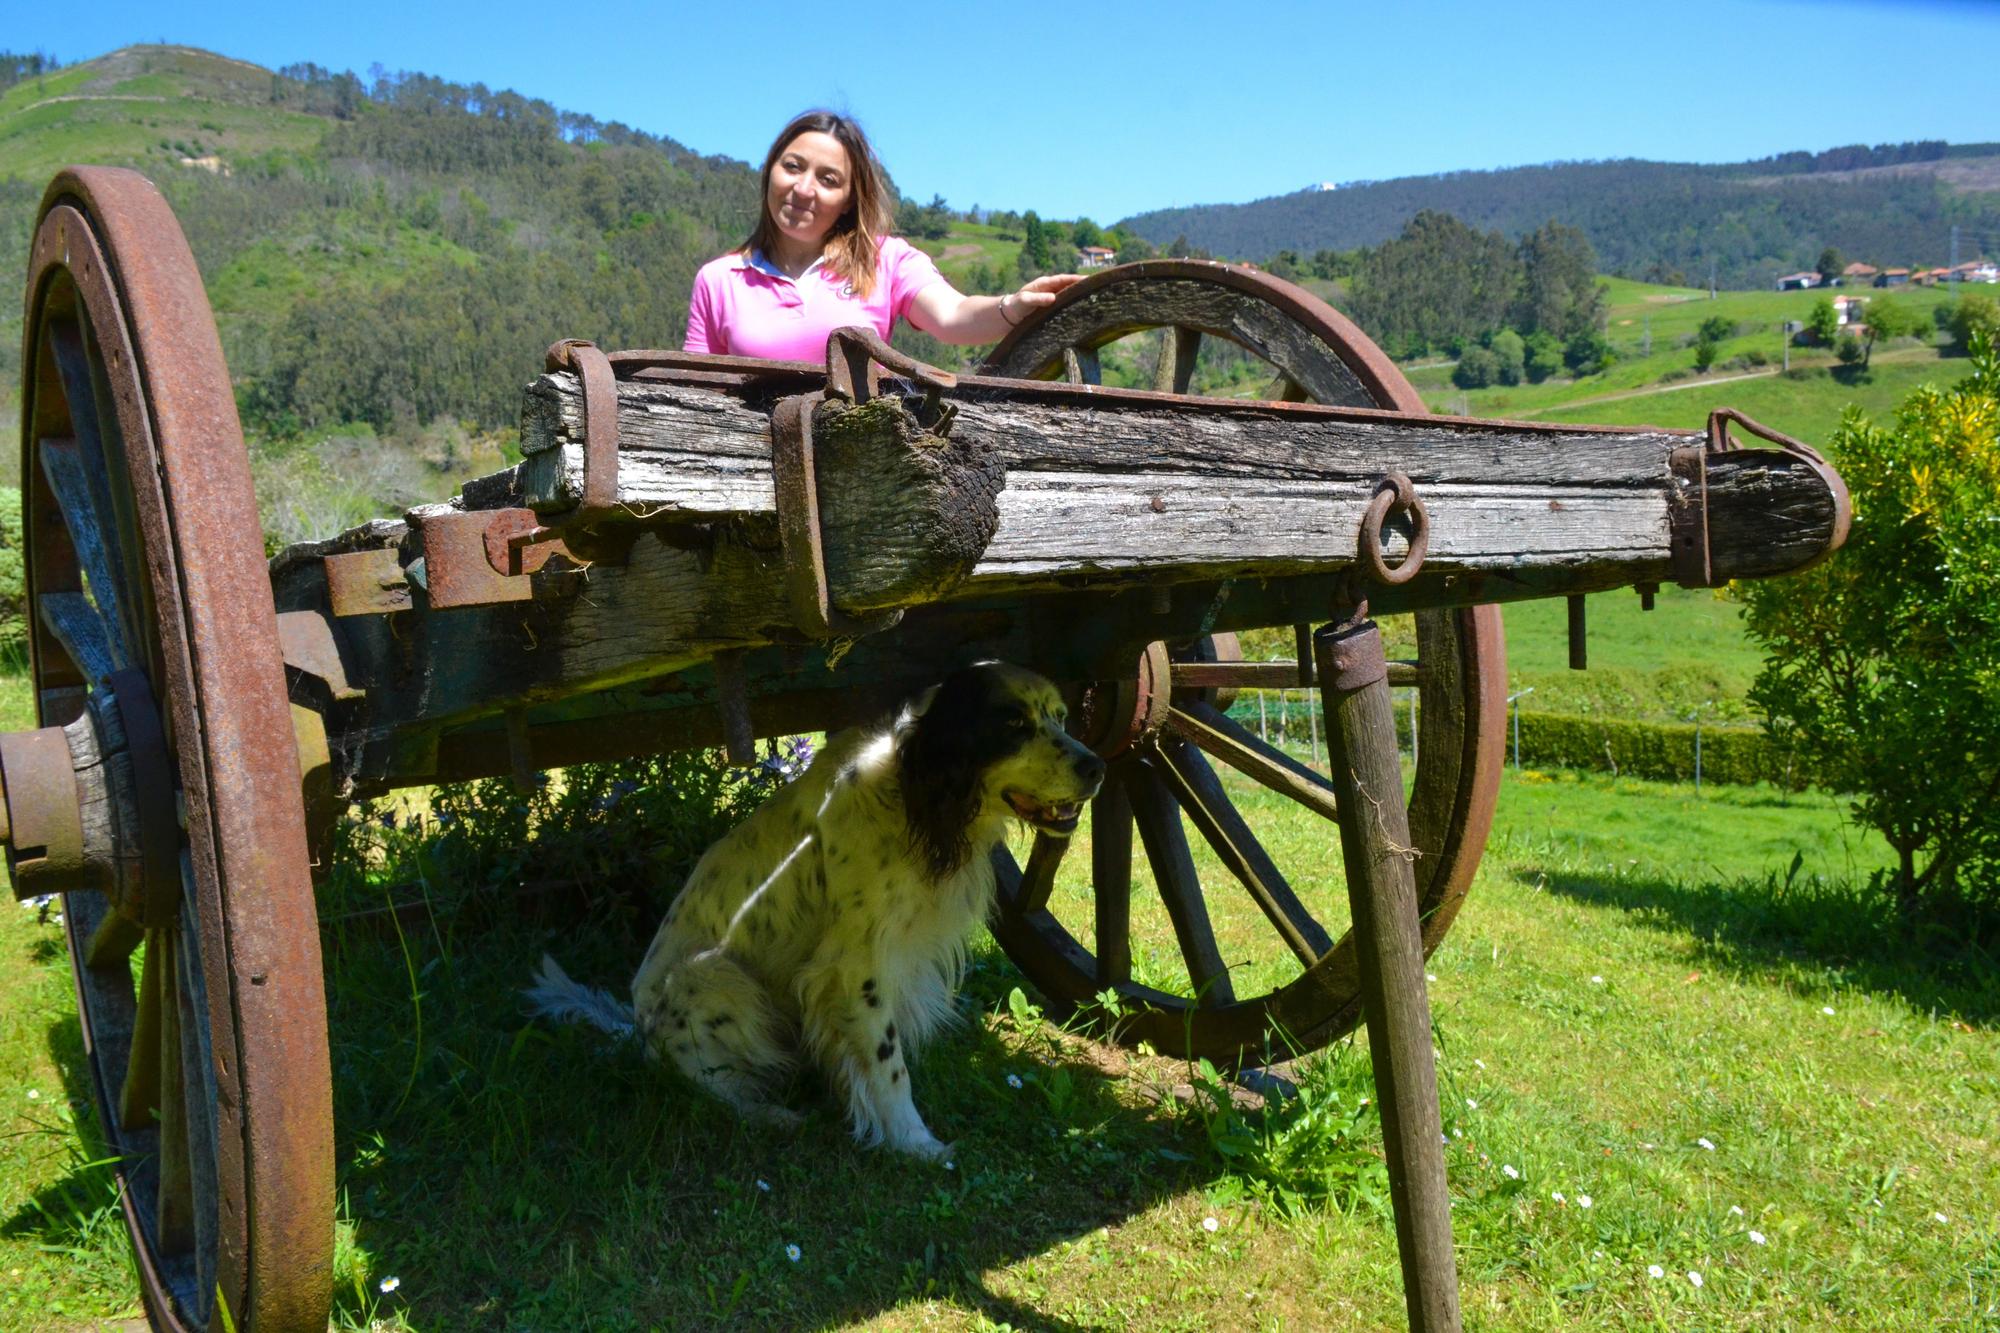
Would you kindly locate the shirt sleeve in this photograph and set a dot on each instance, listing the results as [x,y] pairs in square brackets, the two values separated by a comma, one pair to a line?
[910,270]
[701,335]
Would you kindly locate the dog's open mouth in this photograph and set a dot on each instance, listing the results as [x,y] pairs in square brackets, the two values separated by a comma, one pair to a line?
[1047,818]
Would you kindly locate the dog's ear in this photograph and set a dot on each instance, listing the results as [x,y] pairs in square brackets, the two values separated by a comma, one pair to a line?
[940,769]
[920,705]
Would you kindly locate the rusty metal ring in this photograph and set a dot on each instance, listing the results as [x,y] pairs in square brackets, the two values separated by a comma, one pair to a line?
[1392,494]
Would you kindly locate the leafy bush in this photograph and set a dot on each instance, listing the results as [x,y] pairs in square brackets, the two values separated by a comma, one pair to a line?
[1589,353]
[13,574]
[1545,356]
[1511,352]
[1661,751]
[1704,354]
[1849,350]
[1477,367]
[1972,314]
[1882,665]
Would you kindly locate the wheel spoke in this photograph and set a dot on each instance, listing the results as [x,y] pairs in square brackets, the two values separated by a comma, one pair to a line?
[1111,879]
[198,1080]
[85,517]
[1291,391]
[80,630]
[174,1213]
[1159,823]
[1038,877]
[113,940]
[1080,366]
[139,1098]
[1212,812]
[85,389]
[1223,737]
[1178,348]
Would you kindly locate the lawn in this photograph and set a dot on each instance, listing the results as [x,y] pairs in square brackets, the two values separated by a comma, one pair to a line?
[1656,1010]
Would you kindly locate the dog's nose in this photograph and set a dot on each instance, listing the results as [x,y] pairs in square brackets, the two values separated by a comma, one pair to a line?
[1089,768]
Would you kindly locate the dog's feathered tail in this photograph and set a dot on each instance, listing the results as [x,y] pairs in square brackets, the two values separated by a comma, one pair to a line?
[555,995]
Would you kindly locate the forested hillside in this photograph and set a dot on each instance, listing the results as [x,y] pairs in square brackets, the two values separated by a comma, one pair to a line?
[1655,221]
[386,252]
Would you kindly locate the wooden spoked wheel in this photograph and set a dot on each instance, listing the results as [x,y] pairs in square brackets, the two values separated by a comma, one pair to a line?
[158,674]
[1166,728]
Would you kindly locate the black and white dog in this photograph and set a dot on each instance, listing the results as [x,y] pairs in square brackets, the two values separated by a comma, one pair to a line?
[832,924]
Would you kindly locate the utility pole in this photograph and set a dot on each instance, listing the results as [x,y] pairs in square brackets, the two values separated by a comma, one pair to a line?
[1785,337]
[1951,278]
[1646,338]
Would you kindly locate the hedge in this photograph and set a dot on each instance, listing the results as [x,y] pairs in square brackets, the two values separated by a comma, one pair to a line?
[1661,750]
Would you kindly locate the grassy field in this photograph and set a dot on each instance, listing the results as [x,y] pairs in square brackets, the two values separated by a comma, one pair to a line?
[1675,1033]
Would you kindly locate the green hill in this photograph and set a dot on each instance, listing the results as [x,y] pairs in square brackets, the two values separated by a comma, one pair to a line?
[386,254]
[1896,204]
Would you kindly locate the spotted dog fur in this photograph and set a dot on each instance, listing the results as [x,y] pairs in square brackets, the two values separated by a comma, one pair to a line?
[832,924]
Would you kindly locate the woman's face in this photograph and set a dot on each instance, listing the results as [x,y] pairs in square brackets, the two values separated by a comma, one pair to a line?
[811,185]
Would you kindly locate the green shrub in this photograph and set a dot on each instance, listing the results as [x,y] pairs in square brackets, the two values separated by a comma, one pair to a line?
[1661,751]
[1882,664]
[13,574]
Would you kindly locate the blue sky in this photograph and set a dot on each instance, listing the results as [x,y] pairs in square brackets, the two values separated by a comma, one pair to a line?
[1110,109]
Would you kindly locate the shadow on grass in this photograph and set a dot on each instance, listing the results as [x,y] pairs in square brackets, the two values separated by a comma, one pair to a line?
[1782,922]
[514,1174]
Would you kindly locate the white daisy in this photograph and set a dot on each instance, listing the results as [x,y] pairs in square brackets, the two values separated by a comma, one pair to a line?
[1706,1144]
[1583,1201]
[1557,1195]
[1013,1080]
[1510,1172]
[1654,1270]
[1209,1224]
[792,1253]
[764,1185]
[1694,1277]
[388,1284]
[1735,1210]
[1756,1238]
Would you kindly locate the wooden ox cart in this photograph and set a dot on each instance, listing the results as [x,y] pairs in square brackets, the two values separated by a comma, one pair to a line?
[705,550]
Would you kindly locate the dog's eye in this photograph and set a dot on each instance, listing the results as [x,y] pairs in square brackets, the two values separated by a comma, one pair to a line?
[1020,724]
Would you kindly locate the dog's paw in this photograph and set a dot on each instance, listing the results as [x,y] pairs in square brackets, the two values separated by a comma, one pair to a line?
[776,1117]
[925,1147]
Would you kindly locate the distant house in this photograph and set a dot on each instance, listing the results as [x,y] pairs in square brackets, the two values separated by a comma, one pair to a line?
[1930,277]
[1893,277]
[1858,270]
[1847,309]
[1794,282]
[1095,256]
[1976,270]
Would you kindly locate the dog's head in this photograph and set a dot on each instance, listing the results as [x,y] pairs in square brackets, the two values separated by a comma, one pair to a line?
[990,740]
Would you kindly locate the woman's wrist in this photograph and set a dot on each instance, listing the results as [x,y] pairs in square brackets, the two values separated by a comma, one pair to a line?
[1002,308]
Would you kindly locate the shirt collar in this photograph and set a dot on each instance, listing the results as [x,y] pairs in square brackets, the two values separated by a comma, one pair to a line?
[756,259]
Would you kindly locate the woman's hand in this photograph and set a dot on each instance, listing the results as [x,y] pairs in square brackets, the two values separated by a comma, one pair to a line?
[951,316]
[1015,306]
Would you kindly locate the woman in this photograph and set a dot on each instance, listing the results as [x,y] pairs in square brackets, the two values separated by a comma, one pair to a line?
[822,258]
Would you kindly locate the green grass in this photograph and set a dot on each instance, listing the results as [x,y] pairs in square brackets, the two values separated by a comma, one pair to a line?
[512,1175]
[1633,391]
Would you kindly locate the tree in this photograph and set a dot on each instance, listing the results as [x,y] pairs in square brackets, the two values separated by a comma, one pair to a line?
[1704,354]
[1438,280]
[1477,367]
[1545,356]
[1716,329]
[1084,232]
[1886,320]
[1037,256]
[1831,262]
[1588,353]
[1882,664]
[1823,322]
[1559,292]
[1976,314]
[1850,351]
[1511,352]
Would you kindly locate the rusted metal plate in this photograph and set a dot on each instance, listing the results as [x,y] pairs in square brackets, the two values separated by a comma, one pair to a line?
[309,646]
[457,571]
[367,583]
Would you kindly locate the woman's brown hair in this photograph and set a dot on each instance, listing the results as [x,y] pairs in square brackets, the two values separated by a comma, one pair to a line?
[849,249]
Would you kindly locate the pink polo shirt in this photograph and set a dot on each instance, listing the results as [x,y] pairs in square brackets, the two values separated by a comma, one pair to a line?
[743,306]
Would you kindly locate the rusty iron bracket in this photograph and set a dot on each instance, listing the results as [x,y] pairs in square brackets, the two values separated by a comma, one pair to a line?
[311,649]
[367,583]
[856,356]
[1687,517]
[592,369]
[44,811]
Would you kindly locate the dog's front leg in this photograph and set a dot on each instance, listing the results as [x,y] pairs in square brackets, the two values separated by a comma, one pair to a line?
[850,1024]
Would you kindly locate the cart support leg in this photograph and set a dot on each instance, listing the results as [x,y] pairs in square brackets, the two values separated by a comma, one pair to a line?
[1381,886]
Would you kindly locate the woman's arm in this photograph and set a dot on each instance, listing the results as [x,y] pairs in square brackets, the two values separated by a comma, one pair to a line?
[949,315]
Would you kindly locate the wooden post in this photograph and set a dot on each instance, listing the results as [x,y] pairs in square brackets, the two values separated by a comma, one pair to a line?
[1382,894]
